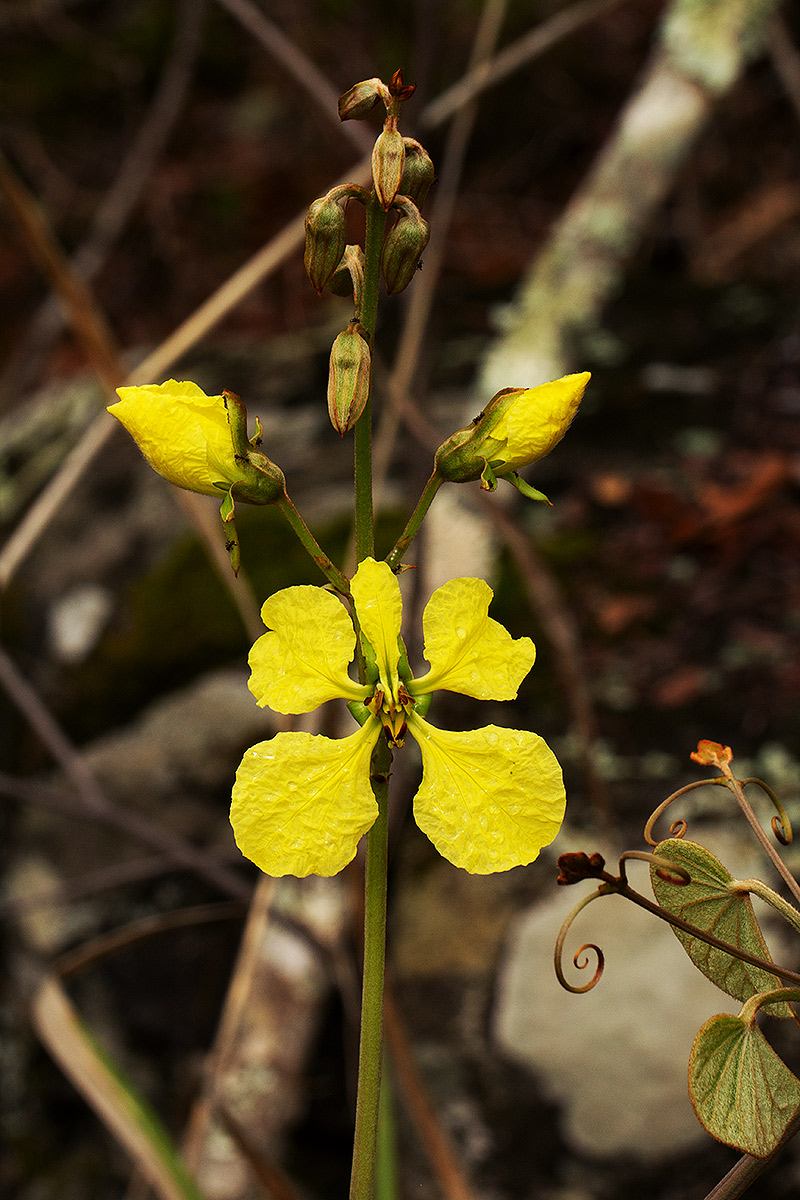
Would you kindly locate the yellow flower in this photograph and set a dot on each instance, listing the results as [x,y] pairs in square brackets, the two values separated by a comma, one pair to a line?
[489,799]
[183,433]
[518,427]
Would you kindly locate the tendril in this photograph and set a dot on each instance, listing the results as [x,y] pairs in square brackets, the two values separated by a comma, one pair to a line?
[781,825]
[667,870]
[581,959]
[678,828]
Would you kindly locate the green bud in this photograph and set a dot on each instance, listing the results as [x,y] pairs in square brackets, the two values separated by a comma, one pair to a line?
[357,103]
[403,246]
[348,378]
[326,236]
[388,157]
[418,172]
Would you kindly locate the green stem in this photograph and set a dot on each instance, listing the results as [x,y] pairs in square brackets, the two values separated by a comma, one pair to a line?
[373,246]
[415,520]
[371,1043]
[310,543]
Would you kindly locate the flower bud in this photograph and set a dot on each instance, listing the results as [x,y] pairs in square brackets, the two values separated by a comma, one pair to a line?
[403,246]
[388,156]
[518,427]
[195,440]
[418,172]
[326,236]
[357,103]
[348,378]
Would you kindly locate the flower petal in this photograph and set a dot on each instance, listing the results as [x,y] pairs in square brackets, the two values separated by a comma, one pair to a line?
[379,608]
[301,802]
[303,660]
[182,432]
[468,651]
[489,799]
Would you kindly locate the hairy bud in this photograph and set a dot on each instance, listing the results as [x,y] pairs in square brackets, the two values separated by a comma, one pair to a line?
[388,157]
[357,103]
[403,246]
[326,235]
[348,378]
[418,172]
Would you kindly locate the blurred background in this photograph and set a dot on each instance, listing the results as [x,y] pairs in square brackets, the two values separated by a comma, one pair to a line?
[618,191]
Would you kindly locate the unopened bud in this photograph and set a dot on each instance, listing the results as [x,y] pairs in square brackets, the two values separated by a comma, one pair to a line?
[418,172]
[357,103]
[348,379]
[388,156]
[326,236]
[403,246]
[399,89]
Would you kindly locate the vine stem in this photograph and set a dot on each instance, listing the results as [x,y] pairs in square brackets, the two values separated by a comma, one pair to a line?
[780,866]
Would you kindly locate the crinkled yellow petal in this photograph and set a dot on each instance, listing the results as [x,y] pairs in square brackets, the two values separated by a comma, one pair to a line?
[379,608]
[468,651]
[182,432]
[301,802]
[489,799]
[303,660]
[538,420]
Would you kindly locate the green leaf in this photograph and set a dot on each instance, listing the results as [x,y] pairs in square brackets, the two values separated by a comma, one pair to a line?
[709,903]
[743,1094]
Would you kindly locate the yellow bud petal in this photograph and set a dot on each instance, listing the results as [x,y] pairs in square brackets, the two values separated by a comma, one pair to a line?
[302,661]
[538,419]
[182,432]
[468,651]
[301,802]
[489,799]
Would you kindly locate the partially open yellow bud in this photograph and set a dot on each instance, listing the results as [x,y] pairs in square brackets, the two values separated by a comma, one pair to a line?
[518,427]
[183,433]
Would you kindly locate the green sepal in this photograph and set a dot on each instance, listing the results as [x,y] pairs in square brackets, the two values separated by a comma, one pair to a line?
[403,666]
[422,704]
[370,660]
[359,711]
[228,513]
[488,478]
[525,488]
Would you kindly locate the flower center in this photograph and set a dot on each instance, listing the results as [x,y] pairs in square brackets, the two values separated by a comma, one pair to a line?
[392,712]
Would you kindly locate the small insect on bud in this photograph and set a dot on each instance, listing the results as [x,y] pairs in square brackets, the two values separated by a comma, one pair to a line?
[418,172]
[357,103]
[403,246]
[348,378]
[388,157]
[326,236]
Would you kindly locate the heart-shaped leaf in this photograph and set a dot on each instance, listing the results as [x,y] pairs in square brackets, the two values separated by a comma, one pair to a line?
[709,903]
[743,1094]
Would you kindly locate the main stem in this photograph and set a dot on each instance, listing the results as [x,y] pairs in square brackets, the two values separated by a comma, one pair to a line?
[373,245]
[371,1039]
